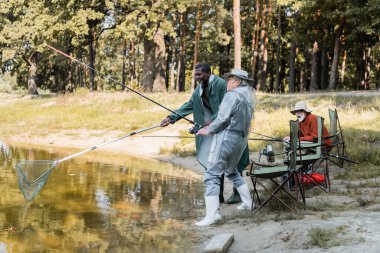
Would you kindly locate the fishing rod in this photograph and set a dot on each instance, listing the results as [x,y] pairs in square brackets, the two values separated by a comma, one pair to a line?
[262,139]
[266,136]
[117,82]
[165,136]
[341,157]
[192,137]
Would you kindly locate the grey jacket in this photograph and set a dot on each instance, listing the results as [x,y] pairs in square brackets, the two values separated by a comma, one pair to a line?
[231,127]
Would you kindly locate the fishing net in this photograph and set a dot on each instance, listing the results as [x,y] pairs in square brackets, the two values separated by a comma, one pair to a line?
[32,175]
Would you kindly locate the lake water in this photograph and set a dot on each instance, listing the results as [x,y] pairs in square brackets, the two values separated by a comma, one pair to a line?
[129,205]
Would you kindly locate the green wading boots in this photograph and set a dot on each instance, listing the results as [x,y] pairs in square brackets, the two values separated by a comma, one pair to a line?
[234,198]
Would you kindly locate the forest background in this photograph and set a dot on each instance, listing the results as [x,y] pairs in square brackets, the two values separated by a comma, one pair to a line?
[286,46]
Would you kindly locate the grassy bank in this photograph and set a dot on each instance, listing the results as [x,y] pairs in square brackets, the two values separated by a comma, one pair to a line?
[93,111]
[359,116]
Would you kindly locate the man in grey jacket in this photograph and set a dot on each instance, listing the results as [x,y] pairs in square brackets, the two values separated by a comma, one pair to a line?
[230,132]
[204,104]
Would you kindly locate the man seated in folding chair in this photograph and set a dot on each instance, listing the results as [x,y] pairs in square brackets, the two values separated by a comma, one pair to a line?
[308,124]
[314,139]
[279,175]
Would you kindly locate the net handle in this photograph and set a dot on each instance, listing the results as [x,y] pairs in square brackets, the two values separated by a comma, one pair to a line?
[106,143]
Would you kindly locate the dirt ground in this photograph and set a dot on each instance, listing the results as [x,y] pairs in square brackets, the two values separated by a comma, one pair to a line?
[348,224]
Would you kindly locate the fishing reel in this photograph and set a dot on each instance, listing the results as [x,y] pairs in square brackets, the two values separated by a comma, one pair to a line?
[193,130]
[269,153]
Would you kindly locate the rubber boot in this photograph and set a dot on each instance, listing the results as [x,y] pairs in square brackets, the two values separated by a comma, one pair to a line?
[234,198]
[221,197]
[245,197]
[212,215]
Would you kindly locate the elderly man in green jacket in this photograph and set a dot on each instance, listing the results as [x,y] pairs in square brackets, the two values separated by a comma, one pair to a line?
[204,104]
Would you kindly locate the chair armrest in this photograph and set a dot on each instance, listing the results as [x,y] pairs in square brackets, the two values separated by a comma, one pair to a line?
[265,165]
[305,145]
[329,137]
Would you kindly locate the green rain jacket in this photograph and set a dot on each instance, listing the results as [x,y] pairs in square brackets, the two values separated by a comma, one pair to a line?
[215,91]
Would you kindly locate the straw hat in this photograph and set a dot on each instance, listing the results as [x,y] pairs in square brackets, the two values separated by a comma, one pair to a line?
[300,106]
[239,73]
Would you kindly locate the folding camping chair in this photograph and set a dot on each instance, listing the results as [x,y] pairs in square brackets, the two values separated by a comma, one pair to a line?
[337,153]
[282,173]
[318,169]
[315,170]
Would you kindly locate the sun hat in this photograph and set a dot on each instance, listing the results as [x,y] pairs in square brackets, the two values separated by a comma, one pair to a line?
[239,73]
[300,106]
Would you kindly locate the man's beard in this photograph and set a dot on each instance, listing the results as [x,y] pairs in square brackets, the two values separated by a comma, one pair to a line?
[301,117]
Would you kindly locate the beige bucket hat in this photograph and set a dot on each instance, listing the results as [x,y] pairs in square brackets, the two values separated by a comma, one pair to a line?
[239,73]
[300,106]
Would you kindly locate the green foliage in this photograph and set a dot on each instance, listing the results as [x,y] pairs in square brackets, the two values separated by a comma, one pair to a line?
[118,29]
[7,84]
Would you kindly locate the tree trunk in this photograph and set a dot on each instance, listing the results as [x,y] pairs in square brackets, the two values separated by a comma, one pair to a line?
[159,84]
[271,72]
[278,49]
[324,67]
[377,75]
[298,75]
[181,68]
[172,66]
[292,69]
[92,55]
[172,50]
[368,69]
[237,34]
[79,71]
[305,71]
[123,72]
[181,77]
[32,78]
[260,54]
[168,61]
[263,55]
[301,77]
[292,57]
[132,62]
[148,66]
[196,42]
[255,40]
[314,68]
[57,79]
[367,66]
[80,76]
[282,70]
[343,67]
[264,65]
[69,77]
[335,62]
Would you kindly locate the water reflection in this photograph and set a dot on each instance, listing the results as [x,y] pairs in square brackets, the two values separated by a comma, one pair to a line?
[139,206]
